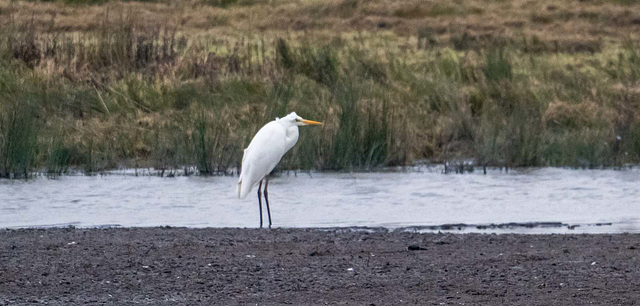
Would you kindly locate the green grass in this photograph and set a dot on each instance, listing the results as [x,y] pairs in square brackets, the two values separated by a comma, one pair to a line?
[129,96]
[18,137]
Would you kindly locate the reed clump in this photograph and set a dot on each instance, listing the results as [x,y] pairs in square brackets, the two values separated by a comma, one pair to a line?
[120,90]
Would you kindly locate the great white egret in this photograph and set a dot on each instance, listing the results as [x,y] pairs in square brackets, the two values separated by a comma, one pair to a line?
[265,151]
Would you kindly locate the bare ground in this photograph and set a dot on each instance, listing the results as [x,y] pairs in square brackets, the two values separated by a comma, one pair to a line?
[179,266]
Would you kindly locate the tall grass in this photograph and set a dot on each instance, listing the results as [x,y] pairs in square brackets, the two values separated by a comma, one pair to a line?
[59,157]
[346,152]
[127,95]
[18,138]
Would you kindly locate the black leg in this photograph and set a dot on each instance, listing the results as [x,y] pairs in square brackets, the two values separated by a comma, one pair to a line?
[260,202]
[266,198]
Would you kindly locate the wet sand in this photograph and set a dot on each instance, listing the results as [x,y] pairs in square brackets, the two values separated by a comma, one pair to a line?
[180,266]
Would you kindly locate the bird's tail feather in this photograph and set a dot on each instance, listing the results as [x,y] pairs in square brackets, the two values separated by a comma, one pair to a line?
[244,187]
[239,190]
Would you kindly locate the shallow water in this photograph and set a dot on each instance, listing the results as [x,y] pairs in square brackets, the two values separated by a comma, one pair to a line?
[418,199]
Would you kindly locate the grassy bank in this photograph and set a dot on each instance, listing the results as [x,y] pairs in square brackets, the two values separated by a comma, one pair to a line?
[98,85]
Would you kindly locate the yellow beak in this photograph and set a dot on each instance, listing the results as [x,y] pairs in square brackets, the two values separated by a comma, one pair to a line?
[311,122]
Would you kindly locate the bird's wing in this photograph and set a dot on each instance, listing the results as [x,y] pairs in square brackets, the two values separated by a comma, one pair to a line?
[244,155]
[263,154]
[239,188]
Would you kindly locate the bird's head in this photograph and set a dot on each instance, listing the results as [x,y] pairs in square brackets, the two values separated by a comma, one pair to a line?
[294,119]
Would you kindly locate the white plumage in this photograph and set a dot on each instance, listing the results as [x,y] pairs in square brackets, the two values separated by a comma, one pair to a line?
[265,151]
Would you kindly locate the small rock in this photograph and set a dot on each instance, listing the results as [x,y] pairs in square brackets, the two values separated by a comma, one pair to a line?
[441,242]
[415,248]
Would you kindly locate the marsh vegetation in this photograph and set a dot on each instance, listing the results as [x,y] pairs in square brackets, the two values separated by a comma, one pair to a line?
[97,85]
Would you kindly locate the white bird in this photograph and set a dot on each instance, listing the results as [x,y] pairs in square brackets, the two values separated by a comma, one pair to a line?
[265,151]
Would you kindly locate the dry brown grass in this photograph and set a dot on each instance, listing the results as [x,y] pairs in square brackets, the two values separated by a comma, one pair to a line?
[134,84]
[568,116]
[550,21]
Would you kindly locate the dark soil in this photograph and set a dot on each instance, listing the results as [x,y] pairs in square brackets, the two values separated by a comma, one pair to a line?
[178,266]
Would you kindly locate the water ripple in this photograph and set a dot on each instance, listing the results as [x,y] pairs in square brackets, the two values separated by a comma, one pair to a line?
[390,199]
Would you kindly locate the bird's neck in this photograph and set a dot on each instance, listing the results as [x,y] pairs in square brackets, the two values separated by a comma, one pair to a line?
[292,134]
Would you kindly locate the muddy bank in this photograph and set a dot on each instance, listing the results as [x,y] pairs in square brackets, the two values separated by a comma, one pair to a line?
[295,266]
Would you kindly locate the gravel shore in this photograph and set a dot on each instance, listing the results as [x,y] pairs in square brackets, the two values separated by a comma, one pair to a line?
[181,266]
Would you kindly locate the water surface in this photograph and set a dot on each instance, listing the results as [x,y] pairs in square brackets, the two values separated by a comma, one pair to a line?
[418,199]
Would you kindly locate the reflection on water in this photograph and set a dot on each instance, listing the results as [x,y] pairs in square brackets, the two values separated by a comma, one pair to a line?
[420,198]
